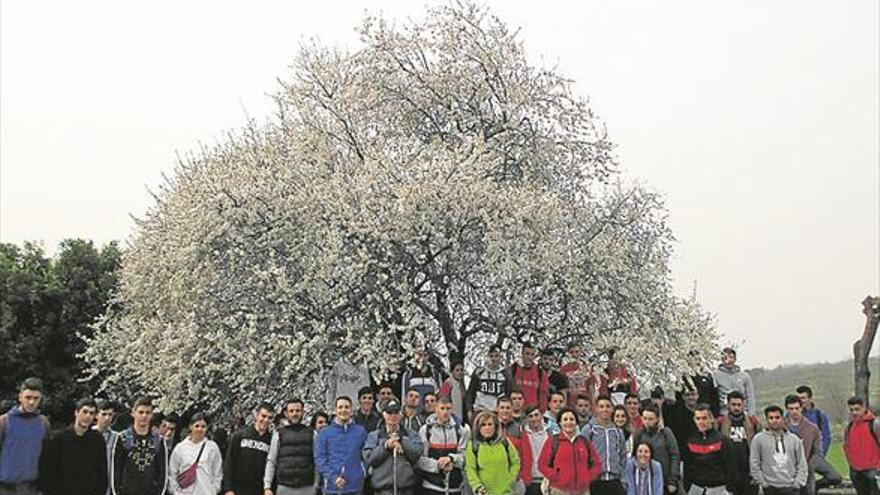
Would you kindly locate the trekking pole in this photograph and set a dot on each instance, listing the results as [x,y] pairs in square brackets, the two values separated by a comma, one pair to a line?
[394,471]
[446,483]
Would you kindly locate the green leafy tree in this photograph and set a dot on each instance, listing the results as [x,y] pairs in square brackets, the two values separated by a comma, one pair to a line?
[47,306]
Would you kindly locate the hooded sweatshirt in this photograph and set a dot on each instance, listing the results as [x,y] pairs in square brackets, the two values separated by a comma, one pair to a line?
[643,480]
[730,379]
[777,460]
[610,442]
[492,464]
[140,464]
[245,462]
[21,441]
[861,447]
[338,453]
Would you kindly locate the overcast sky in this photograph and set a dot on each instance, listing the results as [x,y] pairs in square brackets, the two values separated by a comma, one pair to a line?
[757,120]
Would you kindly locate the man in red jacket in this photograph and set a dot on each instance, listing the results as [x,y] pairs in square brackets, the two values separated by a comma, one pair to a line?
[862,447]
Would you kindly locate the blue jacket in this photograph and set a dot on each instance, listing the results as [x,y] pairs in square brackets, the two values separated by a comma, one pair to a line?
[338,453]
[643,482]
[820,419]
[21,442]
[611,445]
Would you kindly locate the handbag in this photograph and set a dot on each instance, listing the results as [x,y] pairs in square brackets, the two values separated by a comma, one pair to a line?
[188,476]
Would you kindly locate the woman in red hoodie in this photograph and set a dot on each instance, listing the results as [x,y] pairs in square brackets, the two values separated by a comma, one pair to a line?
[569,462]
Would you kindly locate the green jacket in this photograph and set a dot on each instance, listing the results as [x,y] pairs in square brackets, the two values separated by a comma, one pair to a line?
[494,466]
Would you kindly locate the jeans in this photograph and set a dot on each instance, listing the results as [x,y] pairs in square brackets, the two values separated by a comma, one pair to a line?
[830,476]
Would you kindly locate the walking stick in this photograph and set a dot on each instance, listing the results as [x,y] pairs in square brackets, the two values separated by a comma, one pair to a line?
[446,483]
[394,471]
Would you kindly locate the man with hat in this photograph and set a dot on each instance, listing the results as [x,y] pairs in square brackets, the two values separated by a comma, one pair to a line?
[392,452]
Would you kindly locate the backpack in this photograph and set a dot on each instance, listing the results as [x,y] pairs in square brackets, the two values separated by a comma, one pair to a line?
[475,448]
[554,448]
[870,428]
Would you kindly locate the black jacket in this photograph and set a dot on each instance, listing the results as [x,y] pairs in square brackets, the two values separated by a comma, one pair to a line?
[74,465]
[708,460]
[245,461]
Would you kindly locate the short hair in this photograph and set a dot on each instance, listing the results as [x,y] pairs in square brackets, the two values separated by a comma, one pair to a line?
[386,385]
[504,398]
[604,397]
[433,394]
[805,389]
[199,416]
[319,414]
[265,406]
[651,408]
[494,348]
[443,399]
[515,390]
[657,393]
[342,397]
[33,383]
[413,389]
[736,394]
[582,397]
[85,402]
[142,402]
[364,391]
[104,404]
[792,399]
[557,392]
[528,345]
[631,395]
[572,344]
[772,408]
[530,409]
[455,362]
[702,406]
[729,350]
[855,401]
[295,400]
[172,417]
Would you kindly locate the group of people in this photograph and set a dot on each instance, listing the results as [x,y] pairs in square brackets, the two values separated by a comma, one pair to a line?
[529,428]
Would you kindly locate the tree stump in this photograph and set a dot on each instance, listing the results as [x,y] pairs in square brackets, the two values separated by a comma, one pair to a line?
[862,347]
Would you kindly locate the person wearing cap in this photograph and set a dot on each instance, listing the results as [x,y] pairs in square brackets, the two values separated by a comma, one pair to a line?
[392,452]
[23,431]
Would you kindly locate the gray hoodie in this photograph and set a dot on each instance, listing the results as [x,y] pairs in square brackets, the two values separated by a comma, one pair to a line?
[732,379]
[777,459]
[611,445]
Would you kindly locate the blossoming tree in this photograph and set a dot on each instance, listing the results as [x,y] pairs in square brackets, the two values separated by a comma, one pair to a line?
[429,187]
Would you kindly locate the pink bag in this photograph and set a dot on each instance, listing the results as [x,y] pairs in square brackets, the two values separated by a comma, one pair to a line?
[188,476]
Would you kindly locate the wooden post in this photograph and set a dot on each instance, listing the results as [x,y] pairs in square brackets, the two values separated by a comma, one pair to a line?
[862,347]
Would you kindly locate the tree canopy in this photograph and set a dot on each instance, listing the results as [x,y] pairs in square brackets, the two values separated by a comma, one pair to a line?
[429,187]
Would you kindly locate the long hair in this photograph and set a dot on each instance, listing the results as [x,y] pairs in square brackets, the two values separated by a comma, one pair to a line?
[480,419]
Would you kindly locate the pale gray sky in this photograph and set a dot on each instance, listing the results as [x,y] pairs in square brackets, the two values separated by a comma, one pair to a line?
[758,120]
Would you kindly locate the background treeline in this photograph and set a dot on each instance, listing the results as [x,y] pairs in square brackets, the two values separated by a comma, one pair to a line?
[46,303]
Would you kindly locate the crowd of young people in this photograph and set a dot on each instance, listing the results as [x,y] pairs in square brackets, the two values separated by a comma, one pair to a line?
[529,428]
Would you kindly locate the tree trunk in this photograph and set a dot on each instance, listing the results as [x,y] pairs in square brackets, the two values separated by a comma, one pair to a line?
[862,347]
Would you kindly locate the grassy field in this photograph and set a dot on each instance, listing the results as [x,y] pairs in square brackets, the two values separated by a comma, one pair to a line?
[832,385]
[837,459]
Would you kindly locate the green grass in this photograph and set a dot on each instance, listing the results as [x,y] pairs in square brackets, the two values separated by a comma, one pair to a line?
[837,459]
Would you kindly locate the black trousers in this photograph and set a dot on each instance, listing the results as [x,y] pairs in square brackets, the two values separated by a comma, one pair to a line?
[772,490]
[865,482]
[607,487]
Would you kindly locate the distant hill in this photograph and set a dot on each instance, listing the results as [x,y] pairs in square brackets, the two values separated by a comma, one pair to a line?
[832,384]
